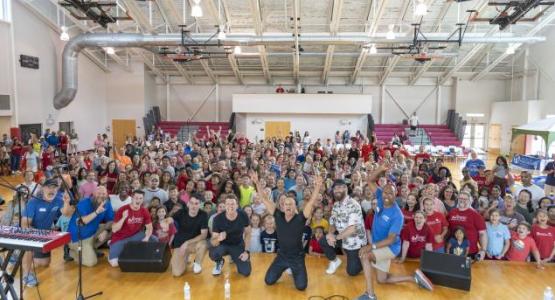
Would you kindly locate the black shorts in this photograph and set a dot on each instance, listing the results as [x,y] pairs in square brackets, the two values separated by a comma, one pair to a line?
[413,128]
[40,254]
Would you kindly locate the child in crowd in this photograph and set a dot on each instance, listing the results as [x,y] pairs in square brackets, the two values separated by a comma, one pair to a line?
[314,248]
[163,228]
[268,237]
[255,245]
[522,245]
[318,220]
[544,236]
[499,236]
[62,224]
[416,237]
[458,244]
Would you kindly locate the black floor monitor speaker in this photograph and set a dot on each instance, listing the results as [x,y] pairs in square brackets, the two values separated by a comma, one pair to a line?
[446,269]
[152,257]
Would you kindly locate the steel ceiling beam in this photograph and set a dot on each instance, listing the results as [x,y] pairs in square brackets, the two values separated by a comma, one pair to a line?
[544,22]
[297,54]
[371,31]
[259,29]
[168,10]
[334,27]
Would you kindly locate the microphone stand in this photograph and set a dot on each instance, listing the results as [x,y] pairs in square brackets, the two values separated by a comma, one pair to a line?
[20,192]
[80,223]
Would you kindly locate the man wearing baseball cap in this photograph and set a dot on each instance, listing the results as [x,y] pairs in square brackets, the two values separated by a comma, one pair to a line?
[347,227]
[41,213]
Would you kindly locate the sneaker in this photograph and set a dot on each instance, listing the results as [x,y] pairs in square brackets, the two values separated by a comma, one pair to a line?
[30,280]
[422,280]
[218,267]
[332,267]
[288,271]
[365,296]
[67,257]
[197,268]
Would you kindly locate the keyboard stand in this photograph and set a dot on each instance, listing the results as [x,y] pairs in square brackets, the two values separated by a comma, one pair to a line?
[7,278]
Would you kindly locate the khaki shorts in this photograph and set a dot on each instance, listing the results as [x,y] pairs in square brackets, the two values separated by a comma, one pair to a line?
[383,259]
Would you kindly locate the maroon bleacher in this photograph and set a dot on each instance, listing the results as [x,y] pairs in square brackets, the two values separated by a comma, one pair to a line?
[173,127]
[384,132]
[441,135]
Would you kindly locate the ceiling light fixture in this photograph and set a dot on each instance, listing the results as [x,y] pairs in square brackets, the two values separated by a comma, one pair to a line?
[110,50]
[421,9]
[237,50]
[64,36]
[510,50]
[196,10]
[373,49]
[390,35]
[221,34]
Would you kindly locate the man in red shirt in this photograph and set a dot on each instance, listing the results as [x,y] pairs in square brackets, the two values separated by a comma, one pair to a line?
[128,226]
[473,224]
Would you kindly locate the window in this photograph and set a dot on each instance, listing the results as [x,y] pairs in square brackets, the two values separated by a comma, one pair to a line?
[474,135]
[5,10]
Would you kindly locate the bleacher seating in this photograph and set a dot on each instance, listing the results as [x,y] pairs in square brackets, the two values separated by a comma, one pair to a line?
[441,135]
[384,132]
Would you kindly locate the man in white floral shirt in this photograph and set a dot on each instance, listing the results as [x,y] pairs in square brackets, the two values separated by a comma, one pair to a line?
[346,227]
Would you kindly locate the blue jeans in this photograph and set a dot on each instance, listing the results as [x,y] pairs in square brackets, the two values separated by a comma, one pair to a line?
[440,250]
[117,247]
[14,162]
[217,253]
[297,266]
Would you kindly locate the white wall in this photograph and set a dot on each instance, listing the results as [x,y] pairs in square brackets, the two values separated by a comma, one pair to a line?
[6,71]
[36,88]
[302,103]
[319,125]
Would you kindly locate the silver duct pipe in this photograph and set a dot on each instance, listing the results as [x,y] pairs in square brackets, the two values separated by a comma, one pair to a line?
[87,40]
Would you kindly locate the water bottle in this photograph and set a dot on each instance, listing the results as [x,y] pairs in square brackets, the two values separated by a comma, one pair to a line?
[187,291]
[227,290]
[548,294]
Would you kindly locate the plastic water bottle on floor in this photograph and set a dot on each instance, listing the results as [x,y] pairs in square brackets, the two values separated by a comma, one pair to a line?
[187,291]
[227,290]
[548,294]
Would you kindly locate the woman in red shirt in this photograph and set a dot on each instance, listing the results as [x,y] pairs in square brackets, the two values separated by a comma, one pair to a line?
[111,175]
[544,236]
[416,236]
[410,207]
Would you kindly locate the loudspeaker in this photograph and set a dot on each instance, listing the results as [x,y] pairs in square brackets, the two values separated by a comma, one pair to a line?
[151,257]
[446,269]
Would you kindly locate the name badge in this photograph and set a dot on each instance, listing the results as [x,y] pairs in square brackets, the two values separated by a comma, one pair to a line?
[42,209]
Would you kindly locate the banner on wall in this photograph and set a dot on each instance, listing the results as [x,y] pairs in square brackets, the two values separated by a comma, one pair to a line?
[526,162]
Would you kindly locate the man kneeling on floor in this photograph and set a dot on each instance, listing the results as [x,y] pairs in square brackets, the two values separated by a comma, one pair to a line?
[96,215]
[128,226]
[385,243]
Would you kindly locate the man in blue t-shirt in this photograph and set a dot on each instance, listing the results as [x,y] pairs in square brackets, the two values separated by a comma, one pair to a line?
[97,215]
[386,243]
[474,164]
[42,212]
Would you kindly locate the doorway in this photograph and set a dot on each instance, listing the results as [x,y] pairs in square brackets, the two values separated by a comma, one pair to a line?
[27,129]
[277,129]
[121,129]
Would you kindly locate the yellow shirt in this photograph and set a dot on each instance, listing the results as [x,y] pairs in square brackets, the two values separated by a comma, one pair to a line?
[322,223]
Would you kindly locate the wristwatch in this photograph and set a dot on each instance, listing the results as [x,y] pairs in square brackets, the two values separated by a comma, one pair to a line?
[374,247]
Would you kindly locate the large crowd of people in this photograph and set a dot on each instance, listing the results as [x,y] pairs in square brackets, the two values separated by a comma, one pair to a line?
[367,204]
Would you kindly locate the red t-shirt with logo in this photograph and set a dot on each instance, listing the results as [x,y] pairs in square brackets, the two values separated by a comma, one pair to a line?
[471,221]
[366,150]
[408,216]
[520,248]
[417,239]
[436,221]
[136,220]
[544,238]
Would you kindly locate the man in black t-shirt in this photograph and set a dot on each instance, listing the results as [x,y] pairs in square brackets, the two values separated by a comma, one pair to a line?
[192,230]
[290,227]
[231,235]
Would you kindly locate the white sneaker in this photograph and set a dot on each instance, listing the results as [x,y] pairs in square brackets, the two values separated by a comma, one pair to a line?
[288,271]
[197,268]
[332,267]
[218,268]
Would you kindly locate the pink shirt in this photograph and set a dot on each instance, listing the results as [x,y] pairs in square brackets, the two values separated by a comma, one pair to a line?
[87,188]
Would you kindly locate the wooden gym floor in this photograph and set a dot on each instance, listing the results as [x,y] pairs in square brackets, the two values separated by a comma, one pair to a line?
[490,280]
